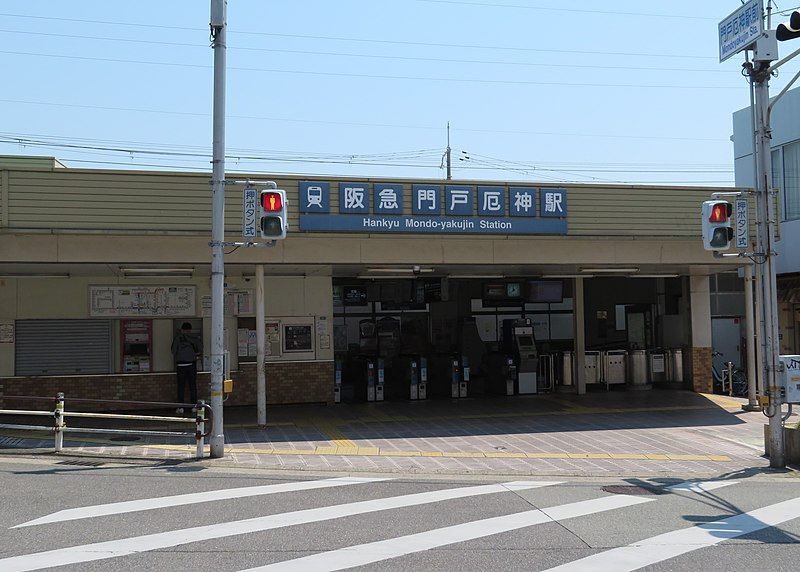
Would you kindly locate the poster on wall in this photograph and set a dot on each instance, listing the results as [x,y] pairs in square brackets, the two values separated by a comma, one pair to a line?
[7,333]
[141,301]
[298,338]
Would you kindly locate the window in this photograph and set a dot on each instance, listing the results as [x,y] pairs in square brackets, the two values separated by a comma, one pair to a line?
[791,180]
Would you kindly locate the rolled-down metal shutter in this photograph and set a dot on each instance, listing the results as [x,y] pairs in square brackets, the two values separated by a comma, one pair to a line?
[62,347]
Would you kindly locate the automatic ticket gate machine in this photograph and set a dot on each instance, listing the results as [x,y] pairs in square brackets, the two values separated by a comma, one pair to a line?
[375,380]
[527,357]
[511,375]
[418,384]
[337,382]
[459,377]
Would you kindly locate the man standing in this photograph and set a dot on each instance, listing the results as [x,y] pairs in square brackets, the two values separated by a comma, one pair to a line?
[186,348]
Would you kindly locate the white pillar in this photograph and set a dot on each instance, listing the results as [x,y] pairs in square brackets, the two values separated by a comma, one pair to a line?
[750,342]
[580,338]
[261,378]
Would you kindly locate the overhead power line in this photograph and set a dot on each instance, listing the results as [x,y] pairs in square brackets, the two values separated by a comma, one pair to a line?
[374,56]
[377,76]
[365,40]
[570,10]
[360,124]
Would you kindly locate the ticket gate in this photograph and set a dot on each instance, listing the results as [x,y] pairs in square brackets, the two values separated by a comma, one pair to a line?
[455,378]
[418,386]
[422,386]
[465,372]
[459,377]
[375,380]
[511,376]
[337,382]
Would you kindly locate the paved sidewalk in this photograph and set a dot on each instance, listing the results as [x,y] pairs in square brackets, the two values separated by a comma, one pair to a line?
[617,433]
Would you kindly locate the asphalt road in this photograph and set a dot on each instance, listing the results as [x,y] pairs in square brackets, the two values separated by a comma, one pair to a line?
[166,516]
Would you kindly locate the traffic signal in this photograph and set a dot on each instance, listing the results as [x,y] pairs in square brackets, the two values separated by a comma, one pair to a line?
[789,30]
[272,214]
[717,225]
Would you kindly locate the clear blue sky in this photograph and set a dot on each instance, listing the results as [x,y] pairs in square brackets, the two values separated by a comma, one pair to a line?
[573,90]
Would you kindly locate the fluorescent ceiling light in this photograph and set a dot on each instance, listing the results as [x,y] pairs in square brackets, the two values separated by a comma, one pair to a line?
[489,276]
[36,275]
[157,271]
[567,276]
[414,270]
[383,277]
[655,275]
[629,270]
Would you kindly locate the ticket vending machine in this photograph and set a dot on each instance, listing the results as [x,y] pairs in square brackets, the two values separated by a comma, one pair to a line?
[527,358]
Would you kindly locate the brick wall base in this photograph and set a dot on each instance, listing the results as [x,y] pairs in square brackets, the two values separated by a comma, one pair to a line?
[287,383]
[700,370]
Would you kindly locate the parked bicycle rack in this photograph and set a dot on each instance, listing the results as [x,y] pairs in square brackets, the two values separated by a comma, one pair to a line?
[60,427]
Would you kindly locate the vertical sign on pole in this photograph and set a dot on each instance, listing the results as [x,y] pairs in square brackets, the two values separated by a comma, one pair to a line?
[249,213]
[742,225]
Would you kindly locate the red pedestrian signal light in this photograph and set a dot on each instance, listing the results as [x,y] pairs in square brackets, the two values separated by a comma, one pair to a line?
[272,214]
[271,201]
[717,225]
[720,212]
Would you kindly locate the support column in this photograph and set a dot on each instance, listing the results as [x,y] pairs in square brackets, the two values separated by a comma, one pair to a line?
[750,341]
[580,338]
[700,359]
[261,381]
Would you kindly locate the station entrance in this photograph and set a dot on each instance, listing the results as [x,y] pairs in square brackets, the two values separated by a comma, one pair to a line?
[420,337]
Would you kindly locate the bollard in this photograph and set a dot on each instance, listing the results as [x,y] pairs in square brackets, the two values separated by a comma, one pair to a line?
[200,423]
[58,415]
[729,371]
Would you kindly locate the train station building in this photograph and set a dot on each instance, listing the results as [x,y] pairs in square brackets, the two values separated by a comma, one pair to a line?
[384,282]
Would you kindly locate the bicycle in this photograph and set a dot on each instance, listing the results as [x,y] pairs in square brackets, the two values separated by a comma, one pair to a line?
[736,386]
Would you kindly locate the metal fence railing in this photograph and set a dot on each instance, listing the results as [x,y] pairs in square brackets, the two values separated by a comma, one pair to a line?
[59,413]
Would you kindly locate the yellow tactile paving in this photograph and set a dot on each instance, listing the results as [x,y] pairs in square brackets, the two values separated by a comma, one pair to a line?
[378,452]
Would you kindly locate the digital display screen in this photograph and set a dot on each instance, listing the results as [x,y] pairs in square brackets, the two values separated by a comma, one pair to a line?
[544,291]
[525,340]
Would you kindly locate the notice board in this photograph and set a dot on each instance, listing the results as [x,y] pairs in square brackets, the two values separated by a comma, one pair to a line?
[149,301]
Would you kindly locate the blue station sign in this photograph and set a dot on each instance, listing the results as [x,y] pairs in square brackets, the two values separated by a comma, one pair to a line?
[434,209]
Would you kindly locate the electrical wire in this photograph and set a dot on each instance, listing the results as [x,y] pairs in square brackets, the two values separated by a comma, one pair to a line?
[234,32]
[569,10]
[356,124]
[372,56]
[371,76]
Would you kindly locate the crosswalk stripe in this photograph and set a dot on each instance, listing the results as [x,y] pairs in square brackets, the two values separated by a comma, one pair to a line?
[363,554]
[132,545]
[671,544]
[193,498]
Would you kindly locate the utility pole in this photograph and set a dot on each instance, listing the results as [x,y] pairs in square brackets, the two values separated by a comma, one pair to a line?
[448,155]
[759,71]
[218,25]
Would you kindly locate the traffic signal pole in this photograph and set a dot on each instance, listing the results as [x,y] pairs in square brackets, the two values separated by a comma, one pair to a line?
[218,25]
[759,75]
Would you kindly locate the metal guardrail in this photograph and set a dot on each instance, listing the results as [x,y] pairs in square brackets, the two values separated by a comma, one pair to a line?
[548,371]
[59,414]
